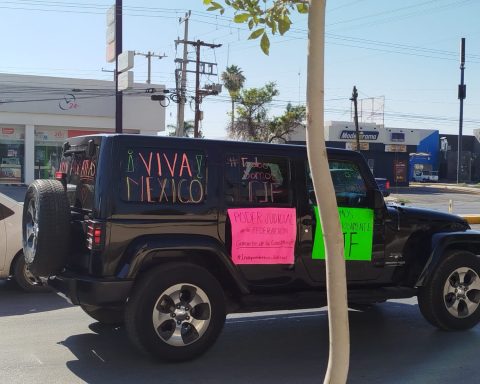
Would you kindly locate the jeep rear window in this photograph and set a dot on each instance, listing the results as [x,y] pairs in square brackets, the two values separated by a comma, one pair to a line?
[81,171]
[257,179]
[163,176]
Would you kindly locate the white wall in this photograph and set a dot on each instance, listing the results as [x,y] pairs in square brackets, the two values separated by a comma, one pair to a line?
[76,103]
[40,109]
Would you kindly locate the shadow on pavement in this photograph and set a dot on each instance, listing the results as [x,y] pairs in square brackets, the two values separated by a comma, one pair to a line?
[14,301]
[389,343]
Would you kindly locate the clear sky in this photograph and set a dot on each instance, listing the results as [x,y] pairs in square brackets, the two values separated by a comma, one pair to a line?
[403,55]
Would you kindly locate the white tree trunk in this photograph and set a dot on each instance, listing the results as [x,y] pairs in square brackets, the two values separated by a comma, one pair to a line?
[338,362]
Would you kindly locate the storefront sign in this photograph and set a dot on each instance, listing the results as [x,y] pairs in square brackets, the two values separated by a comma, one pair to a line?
[400,171]
[68,102]
[353,146]
[51,134]
[363,135]
[12,133]
[395,148]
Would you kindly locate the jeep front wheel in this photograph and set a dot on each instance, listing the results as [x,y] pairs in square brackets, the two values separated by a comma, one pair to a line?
[45,227]
[176,312]
[451,299]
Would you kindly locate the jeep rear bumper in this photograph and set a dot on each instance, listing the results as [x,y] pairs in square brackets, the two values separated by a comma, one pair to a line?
[79,289]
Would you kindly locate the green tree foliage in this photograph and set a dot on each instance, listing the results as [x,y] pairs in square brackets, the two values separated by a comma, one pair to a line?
[233,80]
[253,122]
[252,109]
[282,126]
[262,16]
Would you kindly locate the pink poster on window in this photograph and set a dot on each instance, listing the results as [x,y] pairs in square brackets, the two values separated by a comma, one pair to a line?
[263,235]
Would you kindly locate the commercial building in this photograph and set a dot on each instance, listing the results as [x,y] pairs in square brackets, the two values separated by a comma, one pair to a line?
[38,114]
[469,170]
[389,151]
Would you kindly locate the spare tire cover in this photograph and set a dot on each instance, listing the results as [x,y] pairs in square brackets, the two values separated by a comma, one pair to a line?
[46,227]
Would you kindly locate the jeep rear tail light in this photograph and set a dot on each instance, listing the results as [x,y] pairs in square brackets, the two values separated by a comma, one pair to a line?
[387,185]
[62,177]
[95,235]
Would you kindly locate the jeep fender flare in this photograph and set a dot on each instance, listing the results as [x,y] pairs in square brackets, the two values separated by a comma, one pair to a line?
[169,247]
[441,242]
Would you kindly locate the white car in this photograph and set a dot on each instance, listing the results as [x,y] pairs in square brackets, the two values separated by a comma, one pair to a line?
[12,262]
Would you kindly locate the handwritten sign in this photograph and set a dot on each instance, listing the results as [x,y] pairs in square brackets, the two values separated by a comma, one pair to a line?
[263,235]
[357,228]
[77,166]
[258,177]
[171,177]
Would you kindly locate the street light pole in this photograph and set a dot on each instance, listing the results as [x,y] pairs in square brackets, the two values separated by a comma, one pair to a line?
[355,117]
[118,51]
[462,94]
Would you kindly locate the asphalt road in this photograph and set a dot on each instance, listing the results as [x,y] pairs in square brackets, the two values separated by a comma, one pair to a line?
[439,198]
[45,340]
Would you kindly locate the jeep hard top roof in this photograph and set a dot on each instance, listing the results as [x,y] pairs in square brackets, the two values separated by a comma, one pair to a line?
[177,141]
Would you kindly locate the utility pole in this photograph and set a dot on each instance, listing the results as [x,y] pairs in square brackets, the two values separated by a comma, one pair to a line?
[149,56]
[199,69]
[197,91]
[198,99]
[355,116]
[462,94]
[118,51]
[183,85]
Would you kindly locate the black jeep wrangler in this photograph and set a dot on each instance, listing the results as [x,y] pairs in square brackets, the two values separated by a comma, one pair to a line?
[168,235]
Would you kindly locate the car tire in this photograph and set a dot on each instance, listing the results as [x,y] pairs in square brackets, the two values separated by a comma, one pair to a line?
[25,279]
[105,315]
[451,298]
[176,312]
[45,227]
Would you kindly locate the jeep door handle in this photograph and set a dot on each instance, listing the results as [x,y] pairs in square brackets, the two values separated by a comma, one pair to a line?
[307,222]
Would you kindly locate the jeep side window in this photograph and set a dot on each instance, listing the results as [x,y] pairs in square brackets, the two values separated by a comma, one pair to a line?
[350,188]
[257,179]
[163,176]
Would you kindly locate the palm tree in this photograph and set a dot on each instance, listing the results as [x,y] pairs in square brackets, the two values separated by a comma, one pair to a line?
[188,128]
[233,80]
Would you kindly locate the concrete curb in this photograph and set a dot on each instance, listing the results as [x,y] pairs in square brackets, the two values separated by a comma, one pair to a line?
[451,187]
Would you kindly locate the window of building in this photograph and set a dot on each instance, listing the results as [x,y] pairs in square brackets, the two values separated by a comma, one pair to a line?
[12,151]
[48,151]
[257,179]
[398,137]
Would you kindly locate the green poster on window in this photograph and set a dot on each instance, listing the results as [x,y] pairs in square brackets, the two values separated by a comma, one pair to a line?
[357,228]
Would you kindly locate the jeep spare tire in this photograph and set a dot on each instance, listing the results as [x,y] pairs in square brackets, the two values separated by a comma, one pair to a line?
[45,227]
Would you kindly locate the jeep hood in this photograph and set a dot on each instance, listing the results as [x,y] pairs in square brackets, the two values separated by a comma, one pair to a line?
[426,219]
